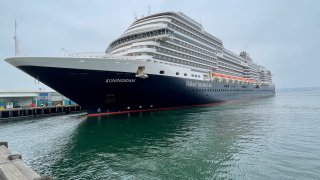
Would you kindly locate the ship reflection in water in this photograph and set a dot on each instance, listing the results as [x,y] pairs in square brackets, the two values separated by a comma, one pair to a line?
[243,140]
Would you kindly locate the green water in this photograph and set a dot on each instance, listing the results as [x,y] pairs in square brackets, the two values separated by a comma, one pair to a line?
[269,138]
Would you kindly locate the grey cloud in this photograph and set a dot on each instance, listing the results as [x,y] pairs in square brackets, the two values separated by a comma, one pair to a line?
[281,35]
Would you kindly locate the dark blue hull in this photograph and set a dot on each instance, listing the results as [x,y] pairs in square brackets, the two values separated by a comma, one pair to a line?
[105,91]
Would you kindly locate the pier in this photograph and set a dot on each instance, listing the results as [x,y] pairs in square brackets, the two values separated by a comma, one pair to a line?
[13,168]
[39,111]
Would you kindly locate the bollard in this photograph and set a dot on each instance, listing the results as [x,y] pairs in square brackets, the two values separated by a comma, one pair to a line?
[14,157]
[4,144]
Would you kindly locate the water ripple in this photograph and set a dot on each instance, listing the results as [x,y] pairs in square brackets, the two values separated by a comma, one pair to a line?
[269,138]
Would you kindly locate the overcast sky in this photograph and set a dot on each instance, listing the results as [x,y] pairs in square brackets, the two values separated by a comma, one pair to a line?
[282,35]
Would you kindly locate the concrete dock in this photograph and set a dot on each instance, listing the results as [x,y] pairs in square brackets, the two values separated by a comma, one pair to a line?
[13,168]
[38,111]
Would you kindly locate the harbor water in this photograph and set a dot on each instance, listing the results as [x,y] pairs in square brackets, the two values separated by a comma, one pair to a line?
[267,138]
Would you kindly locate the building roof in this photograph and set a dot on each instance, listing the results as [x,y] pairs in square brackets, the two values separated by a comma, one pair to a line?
[17,94]
[22,93]
[26,91]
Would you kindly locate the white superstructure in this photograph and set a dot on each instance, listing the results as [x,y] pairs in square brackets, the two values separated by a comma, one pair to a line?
[175,38]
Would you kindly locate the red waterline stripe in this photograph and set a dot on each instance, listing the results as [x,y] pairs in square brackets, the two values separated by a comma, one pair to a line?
[156,109]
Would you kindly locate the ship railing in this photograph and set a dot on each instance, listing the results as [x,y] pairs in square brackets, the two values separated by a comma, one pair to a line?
[107,56]
[89,54]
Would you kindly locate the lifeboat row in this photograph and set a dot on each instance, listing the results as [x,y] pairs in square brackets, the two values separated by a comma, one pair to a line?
[233,78]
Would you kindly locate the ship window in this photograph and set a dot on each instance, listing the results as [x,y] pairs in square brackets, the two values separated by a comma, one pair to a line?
[177,73]
[192,75]
[185,74]
[161,72]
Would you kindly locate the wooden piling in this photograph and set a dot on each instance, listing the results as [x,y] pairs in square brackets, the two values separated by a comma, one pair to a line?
[36,111]
[13,168]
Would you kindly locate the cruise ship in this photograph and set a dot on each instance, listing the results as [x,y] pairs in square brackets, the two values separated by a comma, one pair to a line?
[162,61]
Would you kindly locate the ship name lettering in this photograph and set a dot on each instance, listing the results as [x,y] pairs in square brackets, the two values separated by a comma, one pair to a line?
[120,80]
[198,84]
[191,84]
[204,84]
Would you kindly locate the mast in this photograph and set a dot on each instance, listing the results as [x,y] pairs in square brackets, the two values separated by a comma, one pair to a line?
[16,42]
